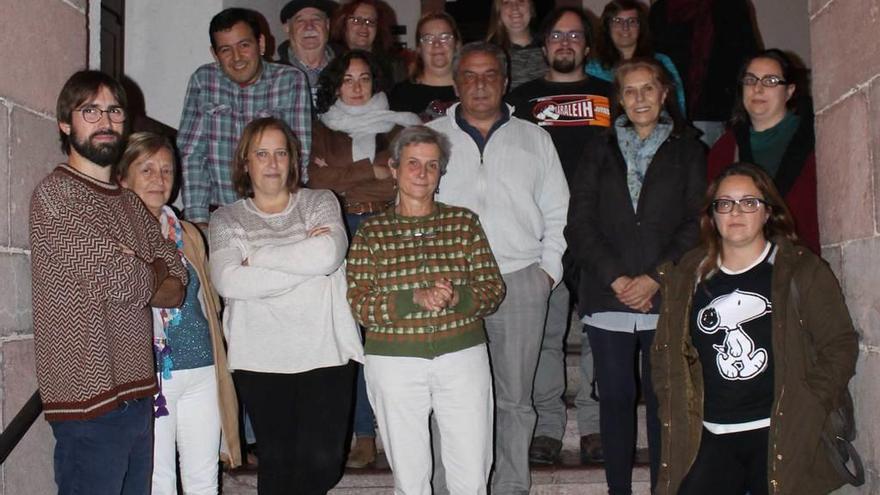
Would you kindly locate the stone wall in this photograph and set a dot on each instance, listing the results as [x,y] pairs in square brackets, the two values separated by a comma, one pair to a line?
[46,42]
[846,89]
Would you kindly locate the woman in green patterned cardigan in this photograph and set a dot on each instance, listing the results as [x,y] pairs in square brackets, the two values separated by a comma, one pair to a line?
[421,278]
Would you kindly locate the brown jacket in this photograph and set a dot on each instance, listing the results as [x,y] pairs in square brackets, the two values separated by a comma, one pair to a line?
[814,347]
[194,250]
[353,182]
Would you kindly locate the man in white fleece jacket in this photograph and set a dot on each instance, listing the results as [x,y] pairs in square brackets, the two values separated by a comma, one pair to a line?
[507,171]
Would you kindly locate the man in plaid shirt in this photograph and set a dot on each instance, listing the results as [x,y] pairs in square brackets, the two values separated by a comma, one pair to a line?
[222,98]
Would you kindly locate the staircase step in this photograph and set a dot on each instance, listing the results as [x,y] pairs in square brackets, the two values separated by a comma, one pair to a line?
[565,479]
[571,437]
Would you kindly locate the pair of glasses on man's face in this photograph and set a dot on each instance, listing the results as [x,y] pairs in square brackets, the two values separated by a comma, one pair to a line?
[437,39]
[571,36]
[93,115]
[366,21]
[766,81]
[746,205]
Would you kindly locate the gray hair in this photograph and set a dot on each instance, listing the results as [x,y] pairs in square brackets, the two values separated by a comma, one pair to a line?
[419,134]
[480,47]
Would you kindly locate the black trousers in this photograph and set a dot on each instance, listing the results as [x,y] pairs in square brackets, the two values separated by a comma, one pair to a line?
[615,356]
[729,464]
[302,421]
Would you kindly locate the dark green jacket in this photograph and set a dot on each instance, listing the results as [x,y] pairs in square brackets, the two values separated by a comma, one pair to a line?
[814,347]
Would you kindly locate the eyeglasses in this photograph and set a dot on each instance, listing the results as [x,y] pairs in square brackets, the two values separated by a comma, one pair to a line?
[572,36]
[746,205]
[625,22]
[366,21]
[93,115]
[766,81]
[437,39]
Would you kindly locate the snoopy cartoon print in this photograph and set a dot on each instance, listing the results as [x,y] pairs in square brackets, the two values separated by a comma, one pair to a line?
[737,359]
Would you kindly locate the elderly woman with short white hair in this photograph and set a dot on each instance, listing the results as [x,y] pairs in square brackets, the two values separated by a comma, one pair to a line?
[421,278]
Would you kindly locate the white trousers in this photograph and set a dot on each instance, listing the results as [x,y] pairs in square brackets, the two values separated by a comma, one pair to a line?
[457,387]
[193,428]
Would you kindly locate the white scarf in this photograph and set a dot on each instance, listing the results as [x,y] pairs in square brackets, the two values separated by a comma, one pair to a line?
[363,122]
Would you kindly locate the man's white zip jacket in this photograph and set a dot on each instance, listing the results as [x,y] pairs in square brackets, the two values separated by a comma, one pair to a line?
[516,186]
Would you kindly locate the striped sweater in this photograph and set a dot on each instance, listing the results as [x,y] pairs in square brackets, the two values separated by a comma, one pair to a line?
[391,255]
[92,320]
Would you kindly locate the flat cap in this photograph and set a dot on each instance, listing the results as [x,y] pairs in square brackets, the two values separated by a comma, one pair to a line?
[294,6]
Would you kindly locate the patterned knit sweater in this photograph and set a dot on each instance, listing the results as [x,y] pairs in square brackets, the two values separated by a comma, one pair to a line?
[92,321]
[391,255]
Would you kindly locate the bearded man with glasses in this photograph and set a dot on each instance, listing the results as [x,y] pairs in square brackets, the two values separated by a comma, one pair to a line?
[572,106]
[98,262]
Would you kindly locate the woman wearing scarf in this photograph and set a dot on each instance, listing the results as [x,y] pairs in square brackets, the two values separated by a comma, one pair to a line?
[634,206]
[350,154]
[197,398]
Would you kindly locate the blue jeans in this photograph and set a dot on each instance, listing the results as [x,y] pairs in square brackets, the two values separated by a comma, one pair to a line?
[111,454]
[364,419]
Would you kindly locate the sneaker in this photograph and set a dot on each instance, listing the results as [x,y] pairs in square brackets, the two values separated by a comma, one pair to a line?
[362,454]
[544,450]
[591,449]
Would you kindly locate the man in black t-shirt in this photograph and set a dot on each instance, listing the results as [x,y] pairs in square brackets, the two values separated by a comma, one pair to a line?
[571,106]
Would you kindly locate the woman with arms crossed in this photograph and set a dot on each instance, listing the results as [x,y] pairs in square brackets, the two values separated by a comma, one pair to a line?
[277,259]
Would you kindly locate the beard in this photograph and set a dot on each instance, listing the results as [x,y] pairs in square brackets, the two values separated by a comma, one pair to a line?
[103,154]
[564,65]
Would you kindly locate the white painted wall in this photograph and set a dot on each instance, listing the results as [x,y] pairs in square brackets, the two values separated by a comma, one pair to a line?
[165,41]
[785,24]
[408,13]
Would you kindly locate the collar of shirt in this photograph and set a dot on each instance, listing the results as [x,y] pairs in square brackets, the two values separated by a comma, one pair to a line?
[475,133]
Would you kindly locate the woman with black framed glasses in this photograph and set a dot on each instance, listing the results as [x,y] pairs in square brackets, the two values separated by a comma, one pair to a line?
[430,92]
[634,206]
[772,126]
[753,348]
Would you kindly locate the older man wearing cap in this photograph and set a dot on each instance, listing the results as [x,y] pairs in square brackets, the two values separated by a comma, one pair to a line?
[307,24]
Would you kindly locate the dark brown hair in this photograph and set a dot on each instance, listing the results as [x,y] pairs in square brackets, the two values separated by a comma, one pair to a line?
[80,88]
[434,16]
[384,18]
[662,77]
[252,133]
[497,32]
[332,77]
[608,54]
[791,73]
[142,144]
[227,19]
[779,223]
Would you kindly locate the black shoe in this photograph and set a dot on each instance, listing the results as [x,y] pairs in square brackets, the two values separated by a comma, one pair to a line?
[544,450]
[591,449]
